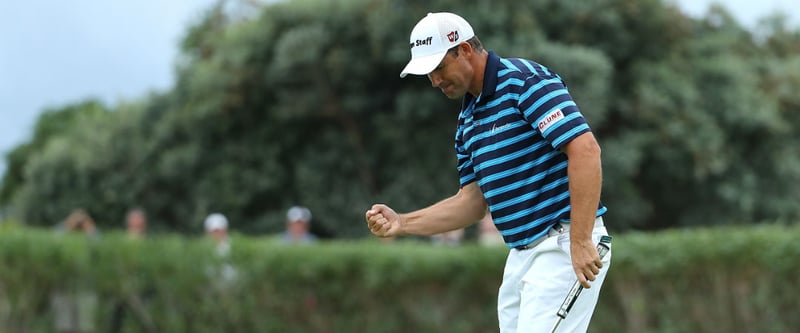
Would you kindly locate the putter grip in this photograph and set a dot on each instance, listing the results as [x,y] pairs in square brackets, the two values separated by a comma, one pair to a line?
[602,249]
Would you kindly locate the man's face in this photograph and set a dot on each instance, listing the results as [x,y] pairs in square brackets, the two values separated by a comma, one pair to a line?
[297,228]
[136,223]
[218,234]
[453,75]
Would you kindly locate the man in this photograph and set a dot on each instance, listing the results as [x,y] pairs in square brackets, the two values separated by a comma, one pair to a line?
[216,225]
[298,226]
[79,221]
[133,303]
[224,275]
[519,137]
[136,223]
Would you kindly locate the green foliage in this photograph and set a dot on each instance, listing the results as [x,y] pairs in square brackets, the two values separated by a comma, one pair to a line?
[301,103]
[51,125]
[704,279]
[688,280]
[89,164]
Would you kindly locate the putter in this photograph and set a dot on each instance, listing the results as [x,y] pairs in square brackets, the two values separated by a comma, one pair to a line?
[602,248]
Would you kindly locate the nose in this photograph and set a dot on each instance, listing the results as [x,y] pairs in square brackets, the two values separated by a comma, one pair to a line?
[435,78]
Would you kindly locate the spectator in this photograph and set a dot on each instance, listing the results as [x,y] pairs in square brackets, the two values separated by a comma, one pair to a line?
[74,303]
[133,302]
[298,223]
[78,221]
[216,226]
[136,224]
[225,274]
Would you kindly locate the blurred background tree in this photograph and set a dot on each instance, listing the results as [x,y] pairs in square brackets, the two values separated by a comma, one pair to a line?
[301,103]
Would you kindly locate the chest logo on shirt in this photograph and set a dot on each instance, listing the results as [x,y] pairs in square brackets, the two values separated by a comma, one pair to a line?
[550,119]
[499,128]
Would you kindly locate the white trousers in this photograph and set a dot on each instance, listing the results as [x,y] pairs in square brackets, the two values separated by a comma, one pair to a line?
[536,282]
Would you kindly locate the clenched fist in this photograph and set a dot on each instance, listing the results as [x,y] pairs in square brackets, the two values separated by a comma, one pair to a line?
[383,221]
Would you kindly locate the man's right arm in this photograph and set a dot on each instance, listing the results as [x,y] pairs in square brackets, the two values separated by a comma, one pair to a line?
[464,208]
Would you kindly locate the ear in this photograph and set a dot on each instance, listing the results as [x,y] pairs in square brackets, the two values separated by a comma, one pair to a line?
[465,49]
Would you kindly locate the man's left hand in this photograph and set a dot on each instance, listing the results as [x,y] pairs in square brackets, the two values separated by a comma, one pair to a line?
[585,261]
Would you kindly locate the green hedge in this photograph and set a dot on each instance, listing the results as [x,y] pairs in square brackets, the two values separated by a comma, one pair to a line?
[698,280]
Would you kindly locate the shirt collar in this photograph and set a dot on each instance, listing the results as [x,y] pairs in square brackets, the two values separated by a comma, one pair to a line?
[489,80]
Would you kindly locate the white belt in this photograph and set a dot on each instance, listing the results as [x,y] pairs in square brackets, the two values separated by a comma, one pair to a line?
[557,229]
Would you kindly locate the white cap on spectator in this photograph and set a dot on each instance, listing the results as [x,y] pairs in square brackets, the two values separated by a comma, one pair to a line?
[298,214]
[216,221]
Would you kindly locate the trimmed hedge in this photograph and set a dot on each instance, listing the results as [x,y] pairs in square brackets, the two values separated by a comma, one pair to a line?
[692,280]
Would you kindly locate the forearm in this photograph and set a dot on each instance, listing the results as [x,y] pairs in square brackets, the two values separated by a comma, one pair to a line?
[461,210]
[585,182]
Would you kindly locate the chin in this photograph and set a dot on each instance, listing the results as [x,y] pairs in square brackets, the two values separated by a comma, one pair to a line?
[454,95]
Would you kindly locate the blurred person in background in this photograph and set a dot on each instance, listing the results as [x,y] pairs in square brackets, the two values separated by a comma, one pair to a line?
[134,302]
[216,226]
[74,303]
[224,274]
[78,221]
[136,223]
[298,225]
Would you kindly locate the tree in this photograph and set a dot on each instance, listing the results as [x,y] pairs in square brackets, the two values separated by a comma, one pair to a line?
[51,124]
[302,104]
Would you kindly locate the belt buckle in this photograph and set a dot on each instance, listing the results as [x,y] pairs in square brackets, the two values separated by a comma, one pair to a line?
[531,244]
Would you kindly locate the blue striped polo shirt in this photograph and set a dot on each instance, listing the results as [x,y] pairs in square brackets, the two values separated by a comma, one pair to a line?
[509,140]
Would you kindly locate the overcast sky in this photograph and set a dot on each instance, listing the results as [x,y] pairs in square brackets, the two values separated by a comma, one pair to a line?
[58,52]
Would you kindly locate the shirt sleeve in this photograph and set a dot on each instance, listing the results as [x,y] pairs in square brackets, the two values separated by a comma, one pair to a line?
[549,108]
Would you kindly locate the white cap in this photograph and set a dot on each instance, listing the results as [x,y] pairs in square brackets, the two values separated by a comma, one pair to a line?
[298,214]
[216,221]
[432,37]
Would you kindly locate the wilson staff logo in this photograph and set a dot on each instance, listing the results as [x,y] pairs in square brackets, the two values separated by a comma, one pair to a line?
[426,41]
[452,36]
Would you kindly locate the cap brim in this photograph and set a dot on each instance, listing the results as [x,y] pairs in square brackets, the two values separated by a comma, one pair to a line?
[423,65]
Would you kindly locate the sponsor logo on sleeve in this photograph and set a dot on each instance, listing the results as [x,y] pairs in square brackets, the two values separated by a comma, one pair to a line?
[550,119]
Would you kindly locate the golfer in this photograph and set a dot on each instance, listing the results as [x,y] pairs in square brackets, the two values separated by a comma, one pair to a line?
[524,151]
